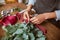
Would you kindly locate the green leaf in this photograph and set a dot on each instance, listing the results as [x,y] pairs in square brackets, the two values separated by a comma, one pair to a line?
[18,31]
[39,33]
[23,31]
[42,38]
[25,36]
[18,38]
[31,36]
[11,29]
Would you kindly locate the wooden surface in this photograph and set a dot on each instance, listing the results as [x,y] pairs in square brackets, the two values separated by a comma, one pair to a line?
[53,32]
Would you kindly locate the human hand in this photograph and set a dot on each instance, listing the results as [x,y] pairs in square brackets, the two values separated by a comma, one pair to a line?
[26,15]
[38,19]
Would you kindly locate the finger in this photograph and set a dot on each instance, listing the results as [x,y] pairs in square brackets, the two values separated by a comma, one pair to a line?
[38,22]
[27,16]
[32,18]
[24,15]
[35,20]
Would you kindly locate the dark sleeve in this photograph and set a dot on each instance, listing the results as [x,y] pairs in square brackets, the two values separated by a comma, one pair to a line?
[58,5]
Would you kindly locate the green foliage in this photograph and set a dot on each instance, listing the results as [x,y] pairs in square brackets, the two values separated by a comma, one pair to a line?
[17,9]
[23,31]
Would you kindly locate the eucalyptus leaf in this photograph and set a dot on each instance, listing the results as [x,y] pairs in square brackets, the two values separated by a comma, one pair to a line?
[23,31]
[39,33]
[25,36]
[18,31]
[31,36]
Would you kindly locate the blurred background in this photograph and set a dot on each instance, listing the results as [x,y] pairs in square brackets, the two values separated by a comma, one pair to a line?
[24,1]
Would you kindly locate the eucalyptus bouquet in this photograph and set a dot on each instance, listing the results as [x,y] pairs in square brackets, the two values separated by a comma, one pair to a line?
[22,31]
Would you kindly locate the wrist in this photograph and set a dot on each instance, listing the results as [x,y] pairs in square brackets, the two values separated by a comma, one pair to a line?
[29,7]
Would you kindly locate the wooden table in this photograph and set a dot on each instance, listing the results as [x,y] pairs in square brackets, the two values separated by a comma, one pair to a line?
[53,32]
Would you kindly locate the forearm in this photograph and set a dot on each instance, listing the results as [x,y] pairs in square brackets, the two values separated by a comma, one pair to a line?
[50,15]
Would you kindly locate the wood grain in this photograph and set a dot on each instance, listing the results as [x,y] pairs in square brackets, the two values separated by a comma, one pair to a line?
[53,32]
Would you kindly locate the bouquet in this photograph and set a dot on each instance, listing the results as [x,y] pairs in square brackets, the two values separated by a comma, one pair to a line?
[22,30]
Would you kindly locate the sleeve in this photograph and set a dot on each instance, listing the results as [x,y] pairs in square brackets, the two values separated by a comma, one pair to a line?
[31,2]
[58,10]
[57,15]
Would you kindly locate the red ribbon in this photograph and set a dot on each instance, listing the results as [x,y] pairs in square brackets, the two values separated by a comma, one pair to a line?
[41,28]
[9,20]
[19,16]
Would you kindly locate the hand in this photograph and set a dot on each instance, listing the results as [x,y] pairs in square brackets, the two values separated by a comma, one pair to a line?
[38,19]
[26,15]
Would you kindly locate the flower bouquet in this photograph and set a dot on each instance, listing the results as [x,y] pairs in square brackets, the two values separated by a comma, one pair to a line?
[16,28]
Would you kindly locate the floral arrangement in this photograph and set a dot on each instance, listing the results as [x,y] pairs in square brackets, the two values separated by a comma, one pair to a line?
[22,29]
